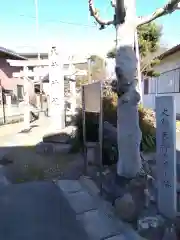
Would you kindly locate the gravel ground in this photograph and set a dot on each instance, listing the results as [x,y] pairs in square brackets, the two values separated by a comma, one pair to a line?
[27,165]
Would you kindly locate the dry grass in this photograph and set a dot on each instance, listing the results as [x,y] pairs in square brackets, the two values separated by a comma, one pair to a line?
[147,117]
[30,166]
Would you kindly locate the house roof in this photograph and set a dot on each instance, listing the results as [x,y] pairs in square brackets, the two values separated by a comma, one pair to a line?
[169,52]
[11,53]
[34,55]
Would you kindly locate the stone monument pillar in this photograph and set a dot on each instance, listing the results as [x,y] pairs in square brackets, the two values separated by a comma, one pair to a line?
[73,93]
[56,85]
[166,155]
[72,84]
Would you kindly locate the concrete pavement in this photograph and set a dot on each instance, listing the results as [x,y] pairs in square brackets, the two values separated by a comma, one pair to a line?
[11,135]
[68,211]
[37,211]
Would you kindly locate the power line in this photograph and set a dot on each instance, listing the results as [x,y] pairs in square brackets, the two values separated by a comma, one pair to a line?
[62,22]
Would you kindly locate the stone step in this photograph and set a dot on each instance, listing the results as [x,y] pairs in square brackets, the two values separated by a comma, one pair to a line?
[60,136]
[52,148]
[95,214]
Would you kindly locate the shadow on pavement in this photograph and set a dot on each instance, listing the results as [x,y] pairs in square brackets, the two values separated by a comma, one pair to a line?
[38,211]
[28,130]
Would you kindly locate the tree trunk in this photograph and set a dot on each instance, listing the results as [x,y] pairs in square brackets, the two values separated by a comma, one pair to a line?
[138,67]
[129,134]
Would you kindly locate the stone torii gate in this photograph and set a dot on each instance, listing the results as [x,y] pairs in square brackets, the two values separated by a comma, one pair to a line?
[56,84]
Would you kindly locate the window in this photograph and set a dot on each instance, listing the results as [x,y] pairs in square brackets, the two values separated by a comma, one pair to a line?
[146,86]
[168,82]
[20,92]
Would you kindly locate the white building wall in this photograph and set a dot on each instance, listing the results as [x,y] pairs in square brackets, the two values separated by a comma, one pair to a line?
[168,82]
[149,100]
[169,63]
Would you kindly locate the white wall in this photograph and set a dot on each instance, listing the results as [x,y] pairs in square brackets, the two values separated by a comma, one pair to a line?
[169,63]
[149,100]
[168,83]
[110,68]
[46,88]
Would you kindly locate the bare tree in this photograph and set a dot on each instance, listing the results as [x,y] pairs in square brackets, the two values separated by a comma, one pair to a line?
[129,134]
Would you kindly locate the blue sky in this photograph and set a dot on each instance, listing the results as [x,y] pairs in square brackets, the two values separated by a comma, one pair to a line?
[18,31]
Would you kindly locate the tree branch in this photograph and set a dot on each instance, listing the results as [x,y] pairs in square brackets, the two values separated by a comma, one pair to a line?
[170,7]
[113,3]
[94,12]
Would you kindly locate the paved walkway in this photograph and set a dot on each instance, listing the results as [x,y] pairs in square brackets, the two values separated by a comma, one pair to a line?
[66,211]
[9,132]
[11,135]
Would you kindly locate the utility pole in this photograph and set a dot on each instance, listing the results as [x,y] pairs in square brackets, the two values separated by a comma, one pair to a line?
[38,53]
[37,25]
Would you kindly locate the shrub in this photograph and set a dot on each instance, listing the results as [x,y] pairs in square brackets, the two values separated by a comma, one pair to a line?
[146,122]
[110,109]
[91,126]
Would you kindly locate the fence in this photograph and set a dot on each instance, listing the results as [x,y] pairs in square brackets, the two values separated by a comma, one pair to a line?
[168,83]
[11,113]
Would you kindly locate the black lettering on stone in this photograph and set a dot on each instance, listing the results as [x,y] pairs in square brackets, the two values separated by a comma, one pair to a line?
[165,112]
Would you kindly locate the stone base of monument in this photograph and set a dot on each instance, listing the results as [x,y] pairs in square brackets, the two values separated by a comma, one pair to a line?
[60,136]
[92,153]
[151,227]
[52,148]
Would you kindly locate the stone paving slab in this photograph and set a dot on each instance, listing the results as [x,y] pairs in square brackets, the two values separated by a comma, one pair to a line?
[99,223]
[81,202]
[119,237]
[123,237]
[69,186]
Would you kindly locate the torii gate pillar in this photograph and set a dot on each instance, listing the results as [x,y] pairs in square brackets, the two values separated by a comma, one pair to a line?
[26,101]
